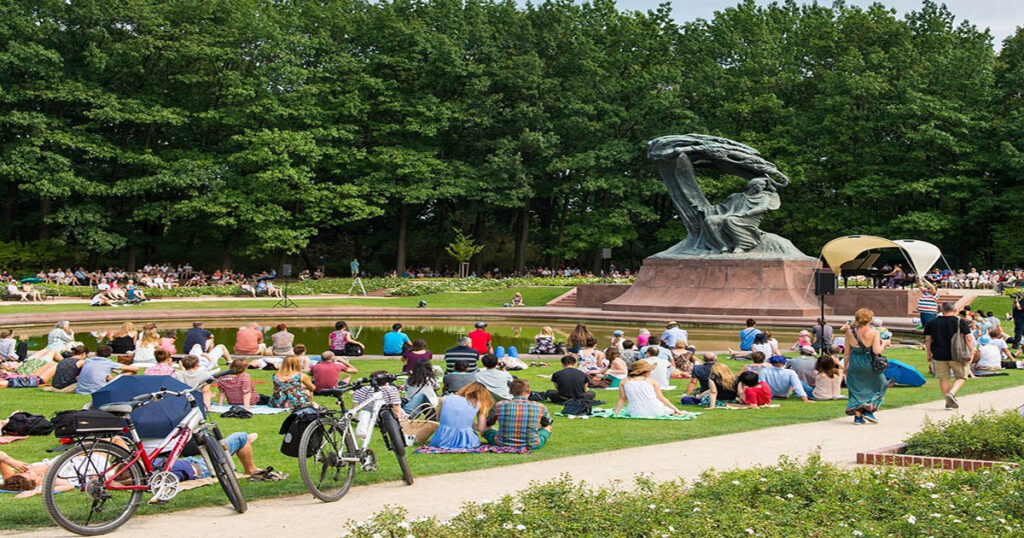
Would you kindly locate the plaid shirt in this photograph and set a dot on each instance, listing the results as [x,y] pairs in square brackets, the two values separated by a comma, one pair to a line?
[518,421]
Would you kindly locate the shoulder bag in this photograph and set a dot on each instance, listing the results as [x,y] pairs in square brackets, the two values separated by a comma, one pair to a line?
[958,346]
[879,362]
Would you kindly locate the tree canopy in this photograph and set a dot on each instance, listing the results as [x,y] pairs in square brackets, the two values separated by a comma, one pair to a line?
[249,131]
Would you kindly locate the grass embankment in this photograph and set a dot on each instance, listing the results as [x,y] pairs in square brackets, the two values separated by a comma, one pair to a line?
[535,296]
[999,305]
[570,438]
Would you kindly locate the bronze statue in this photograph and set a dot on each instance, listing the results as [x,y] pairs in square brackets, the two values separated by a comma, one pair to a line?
[731,228]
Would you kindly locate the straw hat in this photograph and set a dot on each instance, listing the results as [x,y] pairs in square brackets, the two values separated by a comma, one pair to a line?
[640,367]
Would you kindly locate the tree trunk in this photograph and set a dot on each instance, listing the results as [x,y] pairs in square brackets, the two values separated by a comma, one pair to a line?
[131,258]
[524,236]
[230,246]
[403,221]
[44,210]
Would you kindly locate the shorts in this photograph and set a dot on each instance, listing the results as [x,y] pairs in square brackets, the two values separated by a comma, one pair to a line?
[235,442]
[943,369]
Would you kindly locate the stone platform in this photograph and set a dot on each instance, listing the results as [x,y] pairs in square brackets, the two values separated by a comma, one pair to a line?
[722,286]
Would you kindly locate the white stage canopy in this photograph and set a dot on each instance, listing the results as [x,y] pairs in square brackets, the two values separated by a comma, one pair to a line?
[838,251]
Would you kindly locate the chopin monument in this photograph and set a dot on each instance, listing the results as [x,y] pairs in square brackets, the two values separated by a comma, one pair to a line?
[726,264]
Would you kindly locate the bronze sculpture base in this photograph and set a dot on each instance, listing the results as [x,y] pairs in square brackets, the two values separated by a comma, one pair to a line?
[720,286]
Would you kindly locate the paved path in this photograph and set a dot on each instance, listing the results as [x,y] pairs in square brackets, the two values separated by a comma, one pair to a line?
[440,495]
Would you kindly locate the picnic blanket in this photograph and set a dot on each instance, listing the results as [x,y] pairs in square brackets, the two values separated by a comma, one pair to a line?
[255,409]
[482,449]
[600,412]
[7,439]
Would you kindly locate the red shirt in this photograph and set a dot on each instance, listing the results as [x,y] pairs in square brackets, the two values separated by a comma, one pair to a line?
[247,341]
[326,374]
[759,395]
[481,341]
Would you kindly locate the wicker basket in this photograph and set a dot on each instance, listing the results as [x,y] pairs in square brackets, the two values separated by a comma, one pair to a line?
[419,428]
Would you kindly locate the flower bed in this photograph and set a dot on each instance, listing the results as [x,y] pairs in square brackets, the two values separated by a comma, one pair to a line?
[788,499]
[897,455]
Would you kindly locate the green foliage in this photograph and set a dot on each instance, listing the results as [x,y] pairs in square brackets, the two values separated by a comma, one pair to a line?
[984,436]
[763,501]
[426,287]
[463,248]
[29,257]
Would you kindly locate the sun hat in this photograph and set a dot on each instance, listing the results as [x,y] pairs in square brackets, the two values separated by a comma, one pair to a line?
[775,359]
[671,324]
[617,333]
[807,350]
[480,324]
[805,332]
[640,367]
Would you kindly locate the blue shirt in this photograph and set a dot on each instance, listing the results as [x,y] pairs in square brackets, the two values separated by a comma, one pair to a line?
[670,336]
[663,354]
[94,374]
[393,342]
[747,337]
[781,381]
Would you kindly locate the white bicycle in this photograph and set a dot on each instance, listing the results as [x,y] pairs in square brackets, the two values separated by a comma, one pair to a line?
[329,450]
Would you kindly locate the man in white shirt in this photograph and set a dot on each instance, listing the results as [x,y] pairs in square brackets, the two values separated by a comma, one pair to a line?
[991,352]
[494,379]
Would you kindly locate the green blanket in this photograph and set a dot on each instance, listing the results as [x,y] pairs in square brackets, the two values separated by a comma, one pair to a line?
[600,412]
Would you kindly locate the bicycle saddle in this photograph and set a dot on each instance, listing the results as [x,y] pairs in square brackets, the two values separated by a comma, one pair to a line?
[118,408]
[336,392]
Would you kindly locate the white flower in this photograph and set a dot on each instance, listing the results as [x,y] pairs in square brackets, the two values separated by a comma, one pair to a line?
[736,482]
[789,495]
[935,495]
[410,536]
[486,501]
[480,516]
[979,518]
[359,524]
[750,531]
[376,535]
[928,485]
[671,528]
[520,527]
[1001,520]
[695,509]
[858,533]
[697,503]
[652,506]
[506,525]
[957,521]
[517,512]
[911,519]
[403,525]
[666,510]
[935,514]
[764,480]
[445,523]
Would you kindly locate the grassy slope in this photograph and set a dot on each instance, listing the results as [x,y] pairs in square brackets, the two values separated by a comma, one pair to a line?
[571,437]
[487,299]
[999,305]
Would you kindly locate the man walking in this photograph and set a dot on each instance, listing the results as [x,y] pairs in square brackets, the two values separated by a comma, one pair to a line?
[938,343]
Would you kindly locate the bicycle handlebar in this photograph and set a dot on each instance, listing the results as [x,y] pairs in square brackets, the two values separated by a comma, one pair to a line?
[160,394]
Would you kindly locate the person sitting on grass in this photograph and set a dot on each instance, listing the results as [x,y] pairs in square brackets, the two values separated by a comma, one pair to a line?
[8,346]
[751,391]
[164,363]
[238,444]
[421,388]
[782,381]
[617,369]
[65,376]
[630,353]
[544,342]
[292,388]
[455,381]
[496,380]
[462,417]
[683,366]
[98,370]
[238,388]
[210,353]
[193,374]
[641,395]
[570,383]
[416,354]
[804,366]
[700,374]
[828,379]
[990,352]
[521,423]
[327,373]
[391,397]
[756,363]
[461,352]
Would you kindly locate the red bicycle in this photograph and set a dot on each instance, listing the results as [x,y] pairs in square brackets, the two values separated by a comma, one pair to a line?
[96,485]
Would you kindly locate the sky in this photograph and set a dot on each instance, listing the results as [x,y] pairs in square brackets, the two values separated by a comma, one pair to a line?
[1000,16]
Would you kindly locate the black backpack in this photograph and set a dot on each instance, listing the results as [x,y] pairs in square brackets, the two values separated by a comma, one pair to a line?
[22,423]
[293,427]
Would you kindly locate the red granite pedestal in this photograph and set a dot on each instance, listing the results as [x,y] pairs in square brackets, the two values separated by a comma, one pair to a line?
[722,286]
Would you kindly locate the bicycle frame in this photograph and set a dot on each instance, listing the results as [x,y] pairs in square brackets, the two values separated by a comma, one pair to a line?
[377,403]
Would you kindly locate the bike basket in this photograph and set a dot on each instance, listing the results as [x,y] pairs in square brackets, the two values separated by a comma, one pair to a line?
[86,422]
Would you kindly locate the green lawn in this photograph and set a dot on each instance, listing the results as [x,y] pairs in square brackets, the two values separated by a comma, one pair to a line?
[533,296]
[1000,305]
[571,437]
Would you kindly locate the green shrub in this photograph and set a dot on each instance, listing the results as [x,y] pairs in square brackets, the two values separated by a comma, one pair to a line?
[408,288]
[985,436]
[788,499]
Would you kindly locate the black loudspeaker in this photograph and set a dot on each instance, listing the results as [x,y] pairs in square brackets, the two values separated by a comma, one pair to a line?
[286,269]
[824,283]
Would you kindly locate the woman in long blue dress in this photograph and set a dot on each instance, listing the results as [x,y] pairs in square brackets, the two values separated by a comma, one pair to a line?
[865,386]
[463,416]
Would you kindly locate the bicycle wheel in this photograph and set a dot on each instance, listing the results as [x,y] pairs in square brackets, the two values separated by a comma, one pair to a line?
[323,445]
[74,494]
[390,427]
[225,473]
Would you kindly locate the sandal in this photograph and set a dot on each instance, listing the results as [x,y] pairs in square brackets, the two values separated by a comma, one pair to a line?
[268,475]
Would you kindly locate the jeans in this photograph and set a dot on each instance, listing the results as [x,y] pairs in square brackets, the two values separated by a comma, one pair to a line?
[808,389]
[926,317]
[1018,331]
[235,443]
[414,402]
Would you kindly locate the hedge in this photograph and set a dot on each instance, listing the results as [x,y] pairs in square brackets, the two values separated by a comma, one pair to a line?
[985,436]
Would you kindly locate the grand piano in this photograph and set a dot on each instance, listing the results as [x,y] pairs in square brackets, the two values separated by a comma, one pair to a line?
[863,266]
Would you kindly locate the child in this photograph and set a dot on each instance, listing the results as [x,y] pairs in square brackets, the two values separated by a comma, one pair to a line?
[391,397]
[751,391]
[642,337]
[617,339]
[163,363]
[804,339]
[193,375]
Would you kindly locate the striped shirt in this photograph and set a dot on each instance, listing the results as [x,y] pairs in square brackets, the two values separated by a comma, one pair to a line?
[518,422]
[928,303]
[389,392]
[460,353]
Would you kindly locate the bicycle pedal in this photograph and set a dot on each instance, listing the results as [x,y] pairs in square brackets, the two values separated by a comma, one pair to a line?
[370,461]
[154,500]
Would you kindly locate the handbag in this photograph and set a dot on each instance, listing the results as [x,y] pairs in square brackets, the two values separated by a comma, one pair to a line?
[958,346]
[879,362]
[576,407]
[420,429]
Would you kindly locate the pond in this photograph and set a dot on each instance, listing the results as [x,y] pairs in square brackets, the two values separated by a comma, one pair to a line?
[439,334]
